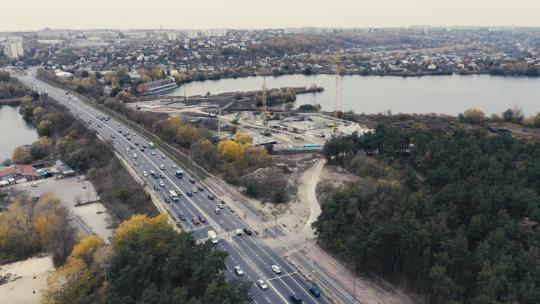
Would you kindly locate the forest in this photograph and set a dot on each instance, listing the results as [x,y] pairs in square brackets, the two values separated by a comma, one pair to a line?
[147,262]
[452,216]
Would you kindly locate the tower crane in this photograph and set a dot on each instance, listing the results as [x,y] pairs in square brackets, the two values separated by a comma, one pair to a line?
[337,98]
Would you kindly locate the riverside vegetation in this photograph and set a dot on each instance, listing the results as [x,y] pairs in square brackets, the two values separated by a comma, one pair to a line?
[453,216]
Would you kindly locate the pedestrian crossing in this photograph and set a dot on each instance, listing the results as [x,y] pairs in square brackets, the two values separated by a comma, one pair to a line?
[220,236]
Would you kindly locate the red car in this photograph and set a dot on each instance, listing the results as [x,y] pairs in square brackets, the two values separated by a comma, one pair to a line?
[195,221]
[202,219]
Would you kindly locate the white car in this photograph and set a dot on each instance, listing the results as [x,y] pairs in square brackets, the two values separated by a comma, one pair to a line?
[144,174]
[194,190]
[238,270]
[153,153]
[34,184]
[221,206]
[161,184]
[239,231]
[262,284]
[276,269]
[217,210]
[127,149]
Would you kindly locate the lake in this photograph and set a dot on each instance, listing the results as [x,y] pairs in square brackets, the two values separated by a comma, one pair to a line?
[375,94]
[14,131]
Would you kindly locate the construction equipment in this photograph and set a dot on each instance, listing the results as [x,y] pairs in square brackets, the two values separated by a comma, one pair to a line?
[337,99]
[265,110]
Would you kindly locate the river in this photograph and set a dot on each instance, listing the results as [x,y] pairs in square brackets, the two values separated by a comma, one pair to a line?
[375,94]
[14,131]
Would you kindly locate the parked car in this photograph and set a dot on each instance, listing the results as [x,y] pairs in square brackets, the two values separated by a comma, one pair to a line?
[247,231]
[211,197]
[195,221]
[276,269]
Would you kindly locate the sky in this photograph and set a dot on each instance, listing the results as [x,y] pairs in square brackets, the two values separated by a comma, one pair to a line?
[19,15]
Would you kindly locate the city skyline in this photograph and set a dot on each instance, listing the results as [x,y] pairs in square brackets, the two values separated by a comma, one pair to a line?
[243,14]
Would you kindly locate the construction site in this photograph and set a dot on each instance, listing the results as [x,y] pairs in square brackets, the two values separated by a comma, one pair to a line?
[278,126]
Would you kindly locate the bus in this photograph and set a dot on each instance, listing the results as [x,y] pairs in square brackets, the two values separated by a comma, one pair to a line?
[173,194]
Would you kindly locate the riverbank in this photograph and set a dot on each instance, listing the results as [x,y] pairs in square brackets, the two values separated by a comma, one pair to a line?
[10,101]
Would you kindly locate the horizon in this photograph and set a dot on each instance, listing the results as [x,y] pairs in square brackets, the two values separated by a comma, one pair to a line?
[28,15]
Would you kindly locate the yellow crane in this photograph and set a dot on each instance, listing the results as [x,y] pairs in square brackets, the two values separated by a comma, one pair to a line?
[337,99]
[265,109]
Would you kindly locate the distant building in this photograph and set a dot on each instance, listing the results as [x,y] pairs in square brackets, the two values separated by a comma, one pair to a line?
[14,48]
[158,86]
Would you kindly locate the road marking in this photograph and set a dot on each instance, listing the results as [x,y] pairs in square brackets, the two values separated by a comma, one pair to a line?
[281,276]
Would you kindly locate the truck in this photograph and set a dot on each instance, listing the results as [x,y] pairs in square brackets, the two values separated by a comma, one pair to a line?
[179,173]
[174,195]
[212,236]
[151,145]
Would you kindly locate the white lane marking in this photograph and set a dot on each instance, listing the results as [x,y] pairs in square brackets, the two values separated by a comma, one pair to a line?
[281,276]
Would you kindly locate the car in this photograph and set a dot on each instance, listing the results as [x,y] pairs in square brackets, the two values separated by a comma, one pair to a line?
[144,174]
[162,156]
[144,146]
[195,221]
[128,138]
[142,150]
[112,136]
[182,217]
[191,180]
[167,199]
[136,144]
[202,219]
[34,184]
[295,300]
[316,292]
[211,197]
[200,188]
[162,184]
[131,147]
[161,175]
[162,167]
[217,210]
[262,284]
[174,166]
[238,270]
[194,190]
[221,206]
[189,193]
[128,149]
[239,231]
[276,269]
[247,231]
[153,153]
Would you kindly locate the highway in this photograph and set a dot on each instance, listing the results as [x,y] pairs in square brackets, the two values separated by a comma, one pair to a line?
[246,251]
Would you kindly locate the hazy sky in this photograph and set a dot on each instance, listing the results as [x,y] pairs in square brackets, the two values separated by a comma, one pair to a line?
[182,14]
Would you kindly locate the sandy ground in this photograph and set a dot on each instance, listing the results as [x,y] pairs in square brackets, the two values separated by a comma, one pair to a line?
[27,280]
[90,217]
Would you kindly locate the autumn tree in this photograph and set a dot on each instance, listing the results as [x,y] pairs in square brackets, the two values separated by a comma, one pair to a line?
[474,116]
[231,150]
[21,155]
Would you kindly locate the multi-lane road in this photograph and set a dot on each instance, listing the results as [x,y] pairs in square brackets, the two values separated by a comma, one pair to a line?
[246,251]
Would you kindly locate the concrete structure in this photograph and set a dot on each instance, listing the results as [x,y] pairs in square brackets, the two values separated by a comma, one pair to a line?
[14,48]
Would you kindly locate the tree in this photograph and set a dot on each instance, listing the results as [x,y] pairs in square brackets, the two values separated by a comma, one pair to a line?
[474,116]
[243,138]
[4,76]
[45,128]
[37,151]
[21,156]
[231,150]
[79,159]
